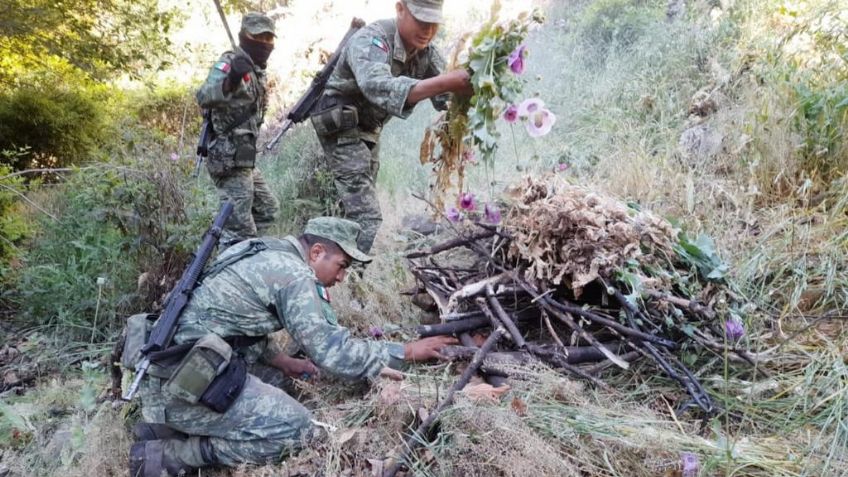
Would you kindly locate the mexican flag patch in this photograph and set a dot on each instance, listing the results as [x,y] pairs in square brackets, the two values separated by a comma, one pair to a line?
[322,292]
[379,43]
[222,66]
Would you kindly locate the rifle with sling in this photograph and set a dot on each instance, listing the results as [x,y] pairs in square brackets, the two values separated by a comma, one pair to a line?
[162,333]
[306,104]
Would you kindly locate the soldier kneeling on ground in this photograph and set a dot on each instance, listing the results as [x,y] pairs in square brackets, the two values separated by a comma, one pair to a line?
[219,403]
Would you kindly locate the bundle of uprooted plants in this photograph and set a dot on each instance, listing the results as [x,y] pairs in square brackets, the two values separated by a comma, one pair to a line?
[579,282]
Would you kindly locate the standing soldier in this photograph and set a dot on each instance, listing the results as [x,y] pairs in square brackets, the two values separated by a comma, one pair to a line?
[386,69]
[235,94]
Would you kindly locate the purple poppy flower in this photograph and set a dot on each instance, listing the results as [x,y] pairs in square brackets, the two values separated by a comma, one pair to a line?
[375,331]
[467,202]
[562,167]
[511,114]
[540,122]
[689,464]
[453,214]
[175,157]
[516,60]
[734,329]
[492,213]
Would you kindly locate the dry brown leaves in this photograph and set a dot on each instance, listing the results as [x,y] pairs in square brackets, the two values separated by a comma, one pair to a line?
[567,234]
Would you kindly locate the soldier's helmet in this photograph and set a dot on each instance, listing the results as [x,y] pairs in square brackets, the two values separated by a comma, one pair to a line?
[341,231]
[256,23]
[429,11]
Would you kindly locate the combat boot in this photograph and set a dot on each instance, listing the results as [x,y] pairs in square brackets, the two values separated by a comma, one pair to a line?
[170,457]
[148,431]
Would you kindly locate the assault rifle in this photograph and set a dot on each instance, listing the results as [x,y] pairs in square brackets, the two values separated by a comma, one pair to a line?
[306,104]
[162,333]
[206,133]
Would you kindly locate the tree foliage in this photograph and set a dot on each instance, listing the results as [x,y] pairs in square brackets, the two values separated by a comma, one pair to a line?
[99,38]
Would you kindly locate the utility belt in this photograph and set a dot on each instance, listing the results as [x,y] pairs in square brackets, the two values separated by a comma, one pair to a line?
[335,115]
[206,371]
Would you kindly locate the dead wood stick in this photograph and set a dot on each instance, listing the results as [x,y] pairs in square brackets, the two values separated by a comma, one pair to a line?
[473,289]
[603,365]
[495,377]
[517,337]
[638,335]
[690,305]
[551,329]
[572,354]
[453,327]
[460,316]
[420,434]
[585,335]
[453,243]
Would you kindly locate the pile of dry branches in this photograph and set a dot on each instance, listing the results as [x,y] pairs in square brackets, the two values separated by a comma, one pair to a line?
[581,282]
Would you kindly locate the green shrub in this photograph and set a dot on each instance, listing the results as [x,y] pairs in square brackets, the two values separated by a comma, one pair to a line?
[14,228]
[122,238]
[60,125]
[168,111]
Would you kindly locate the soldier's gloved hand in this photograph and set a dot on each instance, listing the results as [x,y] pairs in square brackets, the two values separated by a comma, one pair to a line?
[427,348]
[239,66]
[298,368]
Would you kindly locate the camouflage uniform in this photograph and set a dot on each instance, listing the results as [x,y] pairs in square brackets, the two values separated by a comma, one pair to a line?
[375,75]
[268,288]
[234,175]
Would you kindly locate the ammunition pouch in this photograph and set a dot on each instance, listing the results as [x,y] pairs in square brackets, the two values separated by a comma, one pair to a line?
[334,116]
[245,155]
[137,330]
[209,374]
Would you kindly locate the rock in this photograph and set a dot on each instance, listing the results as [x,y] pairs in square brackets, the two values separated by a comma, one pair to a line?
[701,142]
[8,354]
[420,224]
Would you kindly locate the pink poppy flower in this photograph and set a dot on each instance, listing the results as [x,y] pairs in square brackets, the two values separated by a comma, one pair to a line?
[540,123]
[453,214]
[516,60]
[468,156]
[175,157]
[375,331]
[492,213]
[562,167]
[467,202]
[511,114]
[530,106]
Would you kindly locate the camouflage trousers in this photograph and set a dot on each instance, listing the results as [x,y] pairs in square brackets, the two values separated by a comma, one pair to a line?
[262,426]
[254,206]
[354,165]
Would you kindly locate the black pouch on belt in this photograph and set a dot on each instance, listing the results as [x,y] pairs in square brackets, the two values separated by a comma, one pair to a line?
[226,388]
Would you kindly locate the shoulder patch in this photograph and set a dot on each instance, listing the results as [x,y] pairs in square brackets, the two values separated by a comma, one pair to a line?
[222,66]
[322,292]
[379,43]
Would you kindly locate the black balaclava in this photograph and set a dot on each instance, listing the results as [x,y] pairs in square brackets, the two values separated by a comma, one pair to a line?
[257,50]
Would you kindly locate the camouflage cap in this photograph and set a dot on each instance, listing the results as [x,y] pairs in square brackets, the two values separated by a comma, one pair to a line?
[342,231]
[429,11]
[256,23]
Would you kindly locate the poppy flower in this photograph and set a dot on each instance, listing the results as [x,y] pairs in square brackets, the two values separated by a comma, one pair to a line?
[467,202]
[516,60]
[734,329]
[511,114]
[529,106]
[492,213]
[453,214]
[540,122]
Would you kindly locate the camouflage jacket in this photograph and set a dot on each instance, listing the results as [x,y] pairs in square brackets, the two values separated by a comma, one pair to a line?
[275,289]
[228,108]
[376,74]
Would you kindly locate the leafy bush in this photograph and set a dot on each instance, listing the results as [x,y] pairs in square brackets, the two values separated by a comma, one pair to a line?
[122,237]
[13,226]
[170,110]
[60,125]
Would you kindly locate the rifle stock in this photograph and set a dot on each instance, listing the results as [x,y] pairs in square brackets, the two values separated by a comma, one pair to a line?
[305,105]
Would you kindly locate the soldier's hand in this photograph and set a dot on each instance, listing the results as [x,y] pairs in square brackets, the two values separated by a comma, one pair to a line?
[460,82]
[299,368]
[427,348]
[239,66]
